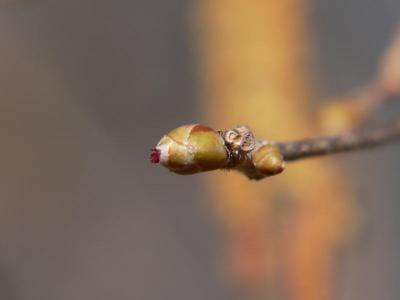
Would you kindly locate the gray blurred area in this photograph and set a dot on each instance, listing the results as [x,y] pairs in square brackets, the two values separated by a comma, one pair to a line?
[352,35]
[87,87]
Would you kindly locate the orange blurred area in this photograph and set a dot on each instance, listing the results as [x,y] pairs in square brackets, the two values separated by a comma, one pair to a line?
[255,71]
[88,88]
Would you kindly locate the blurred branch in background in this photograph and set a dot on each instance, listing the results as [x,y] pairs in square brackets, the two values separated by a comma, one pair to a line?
[350,110]
[254,70]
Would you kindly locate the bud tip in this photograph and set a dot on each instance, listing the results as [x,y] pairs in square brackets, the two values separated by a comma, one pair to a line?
[155,156]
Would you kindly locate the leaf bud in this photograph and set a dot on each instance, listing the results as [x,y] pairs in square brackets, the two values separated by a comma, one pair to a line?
[268,160]
[191,149]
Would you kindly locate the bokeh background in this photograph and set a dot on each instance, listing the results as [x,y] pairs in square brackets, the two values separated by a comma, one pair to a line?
[87,88]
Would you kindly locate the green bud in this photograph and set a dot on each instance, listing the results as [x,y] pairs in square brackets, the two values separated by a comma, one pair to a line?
[191,149]
[268,160]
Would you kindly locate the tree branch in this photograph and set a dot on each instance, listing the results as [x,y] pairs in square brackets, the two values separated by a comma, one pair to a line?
[363,138]
[351,109]
[195,148]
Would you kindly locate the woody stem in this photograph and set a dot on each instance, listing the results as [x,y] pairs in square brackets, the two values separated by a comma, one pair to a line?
[359,139]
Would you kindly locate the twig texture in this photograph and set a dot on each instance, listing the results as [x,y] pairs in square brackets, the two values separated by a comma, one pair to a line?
[363,138]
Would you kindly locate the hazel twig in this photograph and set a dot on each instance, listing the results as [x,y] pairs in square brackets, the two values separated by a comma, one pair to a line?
[359,139]
[196,148]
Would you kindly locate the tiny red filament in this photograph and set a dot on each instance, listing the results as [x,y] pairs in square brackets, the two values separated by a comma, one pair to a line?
[155,156]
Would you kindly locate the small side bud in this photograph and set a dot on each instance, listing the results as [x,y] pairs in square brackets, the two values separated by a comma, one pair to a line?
[268,160]
[191,149]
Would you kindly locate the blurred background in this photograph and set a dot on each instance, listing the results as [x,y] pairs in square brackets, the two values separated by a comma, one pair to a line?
[88,87]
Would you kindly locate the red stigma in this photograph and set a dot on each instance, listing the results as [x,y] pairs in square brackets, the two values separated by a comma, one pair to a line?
[155,156]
